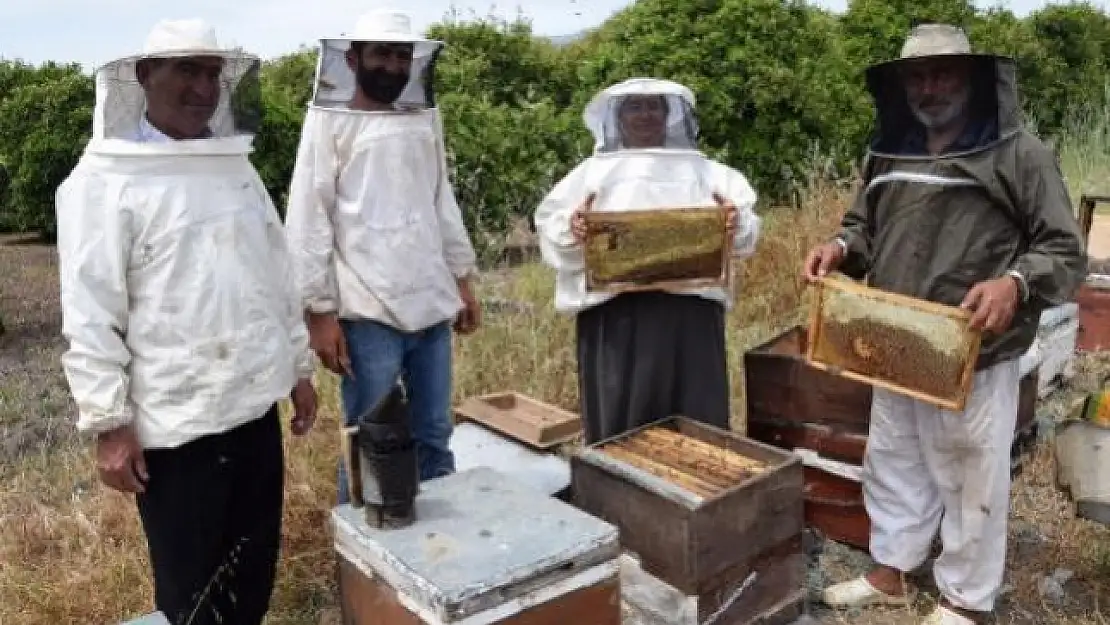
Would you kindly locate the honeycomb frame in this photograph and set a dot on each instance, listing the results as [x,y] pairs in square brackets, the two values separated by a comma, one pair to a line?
[690,258]
[926,350]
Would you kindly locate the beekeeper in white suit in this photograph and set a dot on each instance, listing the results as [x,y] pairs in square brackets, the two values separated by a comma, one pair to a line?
[646,355]
[383,260]
[183,324]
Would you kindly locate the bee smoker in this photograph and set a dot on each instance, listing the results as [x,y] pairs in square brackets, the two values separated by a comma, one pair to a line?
[387,462]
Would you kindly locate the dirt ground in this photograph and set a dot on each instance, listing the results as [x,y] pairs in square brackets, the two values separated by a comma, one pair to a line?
[35,406]
[36,417]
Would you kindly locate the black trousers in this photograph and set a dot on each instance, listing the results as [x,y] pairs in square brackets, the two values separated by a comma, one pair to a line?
[648,356]
[212,518]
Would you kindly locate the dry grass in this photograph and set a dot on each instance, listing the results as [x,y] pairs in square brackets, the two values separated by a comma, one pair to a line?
[72,552]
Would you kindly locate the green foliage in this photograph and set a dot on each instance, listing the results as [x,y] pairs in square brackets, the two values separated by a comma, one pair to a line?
[874,30]
[44,127]
[500,174]
[765,97]
[778,82]
[501,61]
[286,91]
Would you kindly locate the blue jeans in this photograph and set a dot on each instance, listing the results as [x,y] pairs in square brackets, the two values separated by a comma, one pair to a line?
[378,354]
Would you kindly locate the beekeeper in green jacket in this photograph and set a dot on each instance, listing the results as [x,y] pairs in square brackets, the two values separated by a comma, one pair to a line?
[960,205]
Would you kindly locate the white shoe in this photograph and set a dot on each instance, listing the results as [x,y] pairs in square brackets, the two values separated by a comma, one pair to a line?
[859,593]
[944,616]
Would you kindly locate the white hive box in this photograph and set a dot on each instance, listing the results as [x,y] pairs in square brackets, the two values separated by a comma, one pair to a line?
[485,548]
[156,618]
[1052,354]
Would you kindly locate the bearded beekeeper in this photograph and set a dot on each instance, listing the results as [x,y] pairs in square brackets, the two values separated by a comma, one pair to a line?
[383,261]
[646,355]
[183,322]
[964,207]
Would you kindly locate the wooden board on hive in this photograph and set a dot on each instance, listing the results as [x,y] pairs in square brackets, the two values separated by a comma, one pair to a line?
[903,344]
[679,490]
[682,247]
[530,421]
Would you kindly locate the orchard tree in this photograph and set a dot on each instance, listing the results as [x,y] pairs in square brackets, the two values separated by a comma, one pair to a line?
[772,79]
[44,127]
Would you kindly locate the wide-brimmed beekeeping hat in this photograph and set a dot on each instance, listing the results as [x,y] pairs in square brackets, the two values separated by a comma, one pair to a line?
[930,41]
[602,114]
[387,26]
[335,81]
[121,99]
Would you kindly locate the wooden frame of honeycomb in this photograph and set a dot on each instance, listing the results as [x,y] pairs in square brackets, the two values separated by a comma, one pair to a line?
[686,462]
[637,250]
[910,346]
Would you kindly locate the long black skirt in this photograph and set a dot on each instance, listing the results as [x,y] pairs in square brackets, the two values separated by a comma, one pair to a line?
[647,356]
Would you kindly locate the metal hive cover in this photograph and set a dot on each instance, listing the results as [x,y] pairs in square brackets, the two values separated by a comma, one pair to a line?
[156,618]
[481,538]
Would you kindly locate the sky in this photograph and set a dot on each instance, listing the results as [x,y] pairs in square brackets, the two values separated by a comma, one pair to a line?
[92,32]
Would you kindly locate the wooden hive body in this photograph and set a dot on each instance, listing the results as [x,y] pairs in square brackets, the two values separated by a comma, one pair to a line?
[729,537]
[793,405]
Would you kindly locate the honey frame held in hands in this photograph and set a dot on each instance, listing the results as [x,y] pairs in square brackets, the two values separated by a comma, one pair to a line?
[679,248]
[906,345]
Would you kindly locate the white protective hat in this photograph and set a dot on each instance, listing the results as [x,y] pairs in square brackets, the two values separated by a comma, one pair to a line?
[121,100]
[335,81]
[602,114]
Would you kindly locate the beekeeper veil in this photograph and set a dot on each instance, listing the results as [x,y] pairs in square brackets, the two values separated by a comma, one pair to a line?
[393,67]
[183,86]
[643,113]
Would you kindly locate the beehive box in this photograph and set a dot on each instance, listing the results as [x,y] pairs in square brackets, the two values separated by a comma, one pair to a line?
[1093,298]
[154,618]
[714,515]
[910,346]
[528,420]
[485,549]
[684,247]
[792,405]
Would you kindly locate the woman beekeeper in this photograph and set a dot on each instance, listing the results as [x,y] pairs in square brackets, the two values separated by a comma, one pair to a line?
[183,324]
[383,260]
[648,355]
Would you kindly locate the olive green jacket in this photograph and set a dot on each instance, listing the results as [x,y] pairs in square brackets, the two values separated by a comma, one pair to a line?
[994,204]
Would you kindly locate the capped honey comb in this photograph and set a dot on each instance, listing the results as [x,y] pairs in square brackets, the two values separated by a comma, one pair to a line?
[676,247]
[689,463]
[918,348]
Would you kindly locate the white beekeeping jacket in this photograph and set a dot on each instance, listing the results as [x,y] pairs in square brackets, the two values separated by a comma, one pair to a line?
[176,285]
[624,175]
[372,218]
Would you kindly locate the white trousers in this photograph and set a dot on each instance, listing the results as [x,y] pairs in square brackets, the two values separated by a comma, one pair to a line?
[927,468]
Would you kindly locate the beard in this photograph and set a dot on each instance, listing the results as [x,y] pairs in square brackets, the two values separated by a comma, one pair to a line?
[950,109]
[380,85]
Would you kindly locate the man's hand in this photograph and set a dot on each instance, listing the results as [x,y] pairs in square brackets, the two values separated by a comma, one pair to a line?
[730,213]
[821,260]
[993,304]
[578,219]
[470,317]
[327,340]
[304,407]
[120,462]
